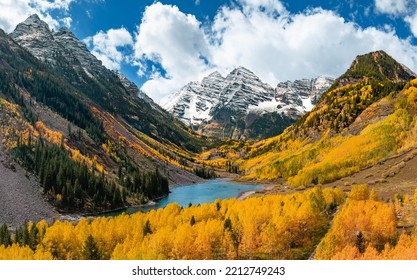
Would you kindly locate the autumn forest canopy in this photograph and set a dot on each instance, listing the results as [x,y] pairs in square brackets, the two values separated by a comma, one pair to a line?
[357,225]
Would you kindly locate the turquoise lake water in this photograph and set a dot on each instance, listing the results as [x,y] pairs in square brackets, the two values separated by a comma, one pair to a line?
[199,194]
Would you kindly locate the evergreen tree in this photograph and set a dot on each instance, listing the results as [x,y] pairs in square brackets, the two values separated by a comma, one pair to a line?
[5,237]
[227,224]
[360,242]
[147,228]
[90,249]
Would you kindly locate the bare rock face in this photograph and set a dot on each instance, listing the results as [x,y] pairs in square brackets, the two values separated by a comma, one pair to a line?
[241,106]
[300,96]
[34,34]
[88,61]
[132,88]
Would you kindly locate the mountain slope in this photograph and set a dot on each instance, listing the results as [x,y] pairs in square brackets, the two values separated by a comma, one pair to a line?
[75,117]
[71,58]
[20,193]
[241,106]
[366,116]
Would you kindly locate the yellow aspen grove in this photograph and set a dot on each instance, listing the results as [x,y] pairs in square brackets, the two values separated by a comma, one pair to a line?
[267,227]
[359,223]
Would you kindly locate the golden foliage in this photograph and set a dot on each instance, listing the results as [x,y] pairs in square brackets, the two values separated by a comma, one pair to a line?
[359,192]
[15,252]
[270,227]
[13,127]
[304,163]
[359,224]
[48,134]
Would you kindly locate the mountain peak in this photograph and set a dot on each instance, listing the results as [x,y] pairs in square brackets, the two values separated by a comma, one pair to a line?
[242,70]
[215,74]
[377,65]
[33,34]
[214,77]
[242,106]
[35,21]
[34,17]
[243,75]
[31,25]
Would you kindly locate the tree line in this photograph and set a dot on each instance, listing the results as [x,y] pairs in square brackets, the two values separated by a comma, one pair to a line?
[73,185]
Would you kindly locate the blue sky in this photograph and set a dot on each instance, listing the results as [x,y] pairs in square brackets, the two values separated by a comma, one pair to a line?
[162,45]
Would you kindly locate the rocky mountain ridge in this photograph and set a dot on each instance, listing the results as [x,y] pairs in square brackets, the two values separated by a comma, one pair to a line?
[235,106]
[62,49]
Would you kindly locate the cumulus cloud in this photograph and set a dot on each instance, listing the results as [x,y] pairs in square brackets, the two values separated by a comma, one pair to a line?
[404,8]
[392,7]
[66,21]
[13,12]
[412,21]
[106,46]
[260,35]
[296,46]
[46,5]
[175,41]
[269,6]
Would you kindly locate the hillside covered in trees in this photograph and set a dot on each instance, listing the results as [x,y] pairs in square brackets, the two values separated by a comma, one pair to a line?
[367,116]
[91,142]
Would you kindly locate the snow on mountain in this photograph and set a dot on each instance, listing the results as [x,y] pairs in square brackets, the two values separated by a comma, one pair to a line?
[231,99]
[297,97]
[192,103]
[198,102]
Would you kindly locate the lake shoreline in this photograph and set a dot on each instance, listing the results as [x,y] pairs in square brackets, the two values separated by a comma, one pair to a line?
[156,202]
[248,194]
[207,192]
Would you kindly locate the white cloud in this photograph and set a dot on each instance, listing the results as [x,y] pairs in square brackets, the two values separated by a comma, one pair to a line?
[265,38]
[269,6]
[66,21]
[174,40]
[392,7]
[13,12]
[412,21]
[46,5]
[106,46]
[404,8]
[303,45]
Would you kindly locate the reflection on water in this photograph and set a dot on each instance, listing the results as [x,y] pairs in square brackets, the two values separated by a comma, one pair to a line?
[199,194]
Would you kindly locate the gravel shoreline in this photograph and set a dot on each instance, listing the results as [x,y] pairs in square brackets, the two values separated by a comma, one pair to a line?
[247,194]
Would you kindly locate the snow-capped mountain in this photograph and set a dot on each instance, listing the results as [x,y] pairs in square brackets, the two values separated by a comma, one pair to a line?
[240,105]
[192,103]
[295,98]
[198,102]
